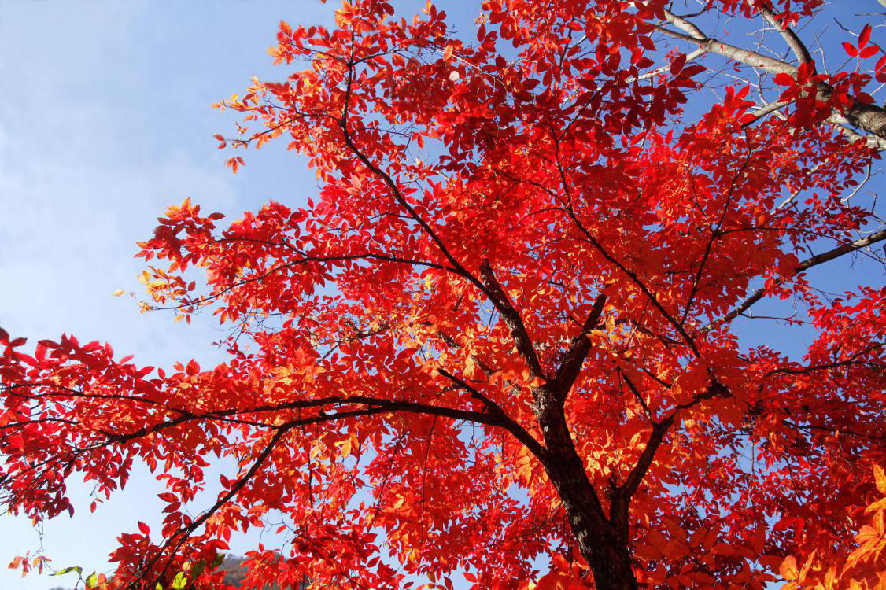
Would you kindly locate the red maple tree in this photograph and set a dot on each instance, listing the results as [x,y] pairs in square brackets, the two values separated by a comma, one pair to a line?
[506,329]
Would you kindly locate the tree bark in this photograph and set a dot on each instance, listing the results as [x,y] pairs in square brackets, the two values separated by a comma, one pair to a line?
[600,542]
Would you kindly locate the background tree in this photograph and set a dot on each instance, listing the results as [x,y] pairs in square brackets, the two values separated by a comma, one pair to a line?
[507,327]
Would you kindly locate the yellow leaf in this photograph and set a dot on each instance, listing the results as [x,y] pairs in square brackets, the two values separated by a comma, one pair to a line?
[880,478]
[806,566]
[789,568]
[879,505]
[118,292]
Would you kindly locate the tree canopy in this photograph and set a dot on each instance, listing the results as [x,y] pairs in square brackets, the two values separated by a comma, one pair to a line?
[508,328]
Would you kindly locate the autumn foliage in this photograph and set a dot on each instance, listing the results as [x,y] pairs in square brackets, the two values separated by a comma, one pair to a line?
[507,328]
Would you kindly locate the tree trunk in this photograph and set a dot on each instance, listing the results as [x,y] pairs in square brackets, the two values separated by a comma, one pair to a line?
[601,543]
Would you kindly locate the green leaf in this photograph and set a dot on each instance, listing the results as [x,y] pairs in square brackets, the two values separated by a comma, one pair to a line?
[92,580]
[219,559]
[67,570]
[180,581]
[197,569]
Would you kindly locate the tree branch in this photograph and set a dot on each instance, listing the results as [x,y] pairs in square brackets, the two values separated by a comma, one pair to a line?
[868,117]
[512,318]
[805,265]
[489,286]
[790,37]
[639,470]
[495,410]
[578,350]
[184,534]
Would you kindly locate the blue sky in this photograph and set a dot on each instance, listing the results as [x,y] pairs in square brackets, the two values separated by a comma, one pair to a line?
[105,120]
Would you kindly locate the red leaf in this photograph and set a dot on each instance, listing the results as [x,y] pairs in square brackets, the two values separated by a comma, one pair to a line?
[678,63]
[881,64]
[145,529]
[784,79]
[868,51]
[850,49]
[865,36]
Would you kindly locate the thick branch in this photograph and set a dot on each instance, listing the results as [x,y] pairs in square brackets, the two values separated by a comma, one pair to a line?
[622,495]
[696,36]
[868,117]
[578,350]
[619,509]
[496,411]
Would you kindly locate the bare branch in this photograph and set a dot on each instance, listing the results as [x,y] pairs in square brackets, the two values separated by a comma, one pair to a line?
[805,265]
[868,117]
[789,36]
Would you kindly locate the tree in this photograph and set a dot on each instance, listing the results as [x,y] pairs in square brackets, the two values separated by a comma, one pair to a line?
[507,328]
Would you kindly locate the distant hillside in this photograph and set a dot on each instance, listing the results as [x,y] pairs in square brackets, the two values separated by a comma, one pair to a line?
[235,573]
[234,570]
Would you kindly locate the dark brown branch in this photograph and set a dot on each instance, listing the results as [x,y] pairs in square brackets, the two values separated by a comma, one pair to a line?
[805,265]
[374,406]
[619,508]
[567,207]
[716,233]
[645,461]
[715,389]
[637,395]
[512,319]
[451,342]
[837,431]
[497,296]
[637,281]
[578,350]
[495,410]
[185,533]
[825,366]
[392,186]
